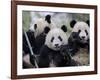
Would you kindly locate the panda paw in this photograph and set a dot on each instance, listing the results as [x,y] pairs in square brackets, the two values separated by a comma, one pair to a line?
[32,58]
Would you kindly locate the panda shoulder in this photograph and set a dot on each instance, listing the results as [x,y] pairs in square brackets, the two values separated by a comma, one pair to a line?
[44,50]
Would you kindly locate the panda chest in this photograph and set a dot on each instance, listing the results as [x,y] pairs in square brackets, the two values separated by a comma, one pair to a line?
[52,59]
[52,64]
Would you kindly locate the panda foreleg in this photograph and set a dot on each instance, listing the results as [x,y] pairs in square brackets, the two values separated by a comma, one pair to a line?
[73,48]
[88,45]
[43,60]
[32,59]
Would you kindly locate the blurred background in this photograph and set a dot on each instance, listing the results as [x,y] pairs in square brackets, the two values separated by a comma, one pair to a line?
[59,18]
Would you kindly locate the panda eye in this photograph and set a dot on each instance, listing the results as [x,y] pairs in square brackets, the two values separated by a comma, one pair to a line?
[79,31]
[86,32]
[35,26]
[52,39]
[60,38]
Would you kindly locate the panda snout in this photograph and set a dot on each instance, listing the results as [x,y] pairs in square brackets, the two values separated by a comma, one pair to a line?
[56,45]
[83,37]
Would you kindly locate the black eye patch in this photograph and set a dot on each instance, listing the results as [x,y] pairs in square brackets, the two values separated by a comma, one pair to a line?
[60,38]
[35,26]
[86,32]
[52,39]
[79,31]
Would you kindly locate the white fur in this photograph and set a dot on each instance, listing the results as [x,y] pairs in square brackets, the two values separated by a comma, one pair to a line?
[41,24]
[55,33]
[82,26]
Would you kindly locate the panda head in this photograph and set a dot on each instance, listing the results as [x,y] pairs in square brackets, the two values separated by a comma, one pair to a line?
[82,30]
[56,38]
[39,24]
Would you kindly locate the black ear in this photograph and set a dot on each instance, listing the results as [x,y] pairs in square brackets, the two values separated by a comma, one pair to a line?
[72,23]
[64,28]
[48,18]
[46,30]
[88,22]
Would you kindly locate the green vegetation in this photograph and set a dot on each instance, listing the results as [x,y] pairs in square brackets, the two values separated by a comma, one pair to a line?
[26,18]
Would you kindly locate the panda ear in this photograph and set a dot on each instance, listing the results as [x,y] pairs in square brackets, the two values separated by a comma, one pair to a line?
[72,23]
[48,18]
[64,28]
[88,22]
[46,30]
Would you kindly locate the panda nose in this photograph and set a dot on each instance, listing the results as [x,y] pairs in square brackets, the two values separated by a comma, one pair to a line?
[83,37]
[56,45]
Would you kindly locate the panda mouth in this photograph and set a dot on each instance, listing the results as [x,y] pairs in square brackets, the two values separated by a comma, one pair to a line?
[57,47]
[83,40]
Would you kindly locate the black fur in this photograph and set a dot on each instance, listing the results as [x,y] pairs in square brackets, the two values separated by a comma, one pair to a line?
[74,43]
[46,29]
[35,26]
[74,40]
[64,28]
[48,18]
[72,23]
[60,59]
[31,38]
[36,44]
[26,49]
[39,41]
[88,22]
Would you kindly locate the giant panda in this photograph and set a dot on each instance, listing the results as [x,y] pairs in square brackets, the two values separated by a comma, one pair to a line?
[36,33]
[80,35]
[78,42]
[36,36]
[39,24]
[51,54]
